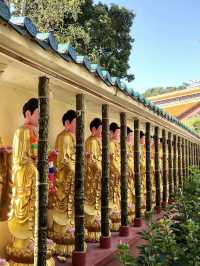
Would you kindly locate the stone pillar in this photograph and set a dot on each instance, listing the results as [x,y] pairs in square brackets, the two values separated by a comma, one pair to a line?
[148,168]
[179,163]
[124,229]
[105,240]
[164,166]
[42,180]
[157,169]
[79,254]
[138,219]
[175,163]
[170,169]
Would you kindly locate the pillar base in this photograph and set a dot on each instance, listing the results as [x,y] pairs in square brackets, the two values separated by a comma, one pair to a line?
[79,258]
[171,201]
[158,209]
[137,222]
[164,204]
[105,242]
[124,230]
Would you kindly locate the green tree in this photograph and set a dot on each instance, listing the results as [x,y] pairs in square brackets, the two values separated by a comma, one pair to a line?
[194,123]
[162,90]
[111,42]
[101,32]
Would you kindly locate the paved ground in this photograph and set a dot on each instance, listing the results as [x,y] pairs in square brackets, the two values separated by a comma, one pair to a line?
[106,257]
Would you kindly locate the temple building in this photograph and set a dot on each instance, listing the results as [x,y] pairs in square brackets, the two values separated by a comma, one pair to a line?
[184,104]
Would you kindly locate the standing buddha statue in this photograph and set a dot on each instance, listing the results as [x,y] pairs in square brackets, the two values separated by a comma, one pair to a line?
[24,176]
[130,175]
[61,231]
[114,181]
[93,149]
[143,170]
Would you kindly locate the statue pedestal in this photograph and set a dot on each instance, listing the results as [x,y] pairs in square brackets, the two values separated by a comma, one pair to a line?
[64,244]
[22,252]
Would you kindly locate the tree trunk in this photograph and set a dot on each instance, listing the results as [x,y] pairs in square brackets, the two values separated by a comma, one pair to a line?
[42,182]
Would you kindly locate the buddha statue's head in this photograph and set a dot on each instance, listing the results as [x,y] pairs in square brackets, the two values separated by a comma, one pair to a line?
[130,135]
[69,121]
[115,132]
[96,127]
[30,112]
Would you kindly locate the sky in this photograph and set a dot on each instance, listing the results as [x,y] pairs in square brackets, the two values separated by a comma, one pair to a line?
[166,51]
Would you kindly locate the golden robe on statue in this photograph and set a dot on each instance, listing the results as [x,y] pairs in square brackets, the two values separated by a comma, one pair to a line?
[93,188]
[62,231]
[21,216]
[24,173]
[130,182]
[114,185]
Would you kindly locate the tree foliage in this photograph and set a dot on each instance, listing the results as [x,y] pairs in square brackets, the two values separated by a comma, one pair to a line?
[97,30]
[194,123]
[162,90]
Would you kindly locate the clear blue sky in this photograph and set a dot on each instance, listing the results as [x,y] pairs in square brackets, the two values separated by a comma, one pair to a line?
[166,51]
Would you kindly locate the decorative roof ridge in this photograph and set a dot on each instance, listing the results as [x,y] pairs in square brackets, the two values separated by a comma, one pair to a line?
[46,40]
[192,109]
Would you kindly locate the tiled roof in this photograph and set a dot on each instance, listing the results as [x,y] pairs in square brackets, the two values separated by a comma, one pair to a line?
[25,27]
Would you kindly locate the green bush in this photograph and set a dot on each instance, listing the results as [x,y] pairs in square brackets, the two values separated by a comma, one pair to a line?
[175,239]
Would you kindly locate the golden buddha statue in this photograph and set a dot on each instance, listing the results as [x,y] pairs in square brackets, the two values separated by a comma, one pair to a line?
[143,170]
[24,175]
[61,231]
[130,175]
[93,150]
[114,181]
